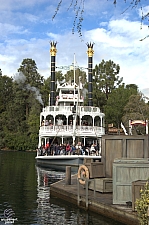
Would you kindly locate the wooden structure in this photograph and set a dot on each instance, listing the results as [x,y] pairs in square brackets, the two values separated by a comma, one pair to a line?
[119,146]
[96,169]
[104,185]
[125,171]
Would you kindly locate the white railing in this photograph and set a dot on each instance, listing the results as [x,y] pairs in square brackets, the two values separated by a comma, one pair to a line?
[86,109]
[69,128]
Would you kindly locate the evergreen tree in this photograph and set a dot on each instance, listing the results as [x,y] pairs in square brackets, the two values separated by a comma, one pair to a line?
[105,79]
[33,122]
[31,81]
[119,97]
[106,75]
[136,109]
[6,91]
[29,70]
[79,74]
[19,116]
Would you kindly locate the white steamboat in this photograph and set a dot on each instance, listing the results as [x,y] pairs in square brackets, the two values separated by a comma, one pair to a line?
[68,121]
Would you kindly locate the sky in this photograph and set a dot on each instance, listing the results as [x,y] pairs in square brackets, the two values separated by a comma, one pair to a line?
[27,28]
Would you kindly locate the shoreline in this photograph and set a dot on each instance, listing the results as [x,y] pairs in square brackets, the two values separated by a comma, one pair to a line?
[10,150]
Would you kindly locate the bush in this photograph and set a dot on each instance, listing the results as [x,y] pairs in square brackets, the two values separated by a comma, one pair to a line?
[142,204]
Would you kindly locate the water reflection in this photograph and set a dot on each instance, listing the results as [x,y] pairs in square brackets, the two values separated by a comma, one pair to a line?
[46,177]
[25,189]
[52,210]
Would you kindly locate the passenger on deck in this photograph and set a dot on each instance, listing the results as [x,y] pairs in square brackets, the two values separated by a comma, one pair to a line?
[46,123]
[73,150]
[59,122]
[61,149]
[92,150]
[43,150]
[84,152]
[47,147]
[57,152]
[68,149]
[64,149]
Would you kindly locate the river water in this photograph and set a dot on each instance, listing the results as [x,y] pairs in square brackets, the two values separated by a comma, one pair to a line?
[25,195]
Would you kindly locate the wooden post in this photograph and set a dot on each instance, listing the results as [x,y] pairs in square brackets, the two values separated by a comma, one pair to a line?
[68,175]
[78,189]
[148,214]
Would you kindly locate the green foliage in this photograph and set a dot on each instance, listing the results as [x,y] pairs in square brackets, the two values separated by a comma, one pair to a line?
[59,76]
[142,205]
[105,80]
[17,141]
[6,92]
[33,124]
[21,105]
[23,97]
[114,108]
[29,70]
[69,76]
[136,109]
[106,77]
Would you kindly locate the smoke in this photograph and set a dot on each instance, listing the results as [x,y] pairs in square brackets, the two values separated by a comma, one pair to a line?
[36,91]
[20,78]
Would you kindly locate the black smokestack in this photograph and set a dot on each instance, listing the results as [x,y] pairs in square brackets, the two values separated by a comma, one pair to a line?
[90,53]
[53,52]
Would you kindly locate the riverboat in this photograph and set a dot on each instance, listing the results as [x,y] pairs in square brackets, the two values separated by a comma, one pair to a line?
[66,121]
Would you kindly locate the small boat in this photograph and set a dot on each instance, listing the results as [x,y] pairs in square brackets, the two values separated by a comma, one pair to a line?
[66,121]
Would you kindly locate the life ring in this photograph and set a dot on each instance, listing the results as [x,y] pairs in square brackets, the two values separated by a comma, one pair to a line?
[83,172]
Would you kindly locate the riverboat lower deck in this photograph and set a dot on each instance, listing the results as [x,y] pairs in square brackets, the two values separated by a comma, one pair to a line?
[60,162]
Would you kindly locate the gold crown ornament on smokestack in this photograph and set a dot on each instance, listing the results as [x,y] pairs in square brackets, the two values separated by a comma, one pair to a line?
[90,51]
[53,49]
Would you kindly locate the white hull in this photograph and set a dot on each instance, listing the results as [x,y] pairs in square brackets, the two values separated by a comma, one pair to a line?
[59,162]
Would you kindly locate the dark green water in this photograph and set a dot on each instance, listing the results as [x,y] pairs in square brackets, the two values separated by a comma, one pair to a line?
[24,195]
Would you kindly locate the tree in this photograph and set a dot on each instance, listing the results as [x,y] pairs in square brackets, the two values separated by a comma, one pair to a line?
[69,76]
[136,109]
[30,80]
[6,90]
[33,124]
[105,79]
[79,5]
[22,103]
[59,76]
[106,75]
[119,97]
[29,70]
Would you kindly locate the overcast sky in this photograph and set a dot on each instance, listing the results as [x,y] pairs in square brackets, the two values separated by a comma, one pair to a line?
[26,29]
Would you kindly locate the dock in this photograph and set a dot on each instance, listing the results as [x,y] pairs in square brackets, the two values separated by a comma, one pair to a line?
[101,203]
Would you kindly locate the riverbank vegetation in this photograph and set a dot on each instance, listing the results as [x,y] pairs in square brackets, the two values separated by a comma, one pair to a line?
[25,94]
